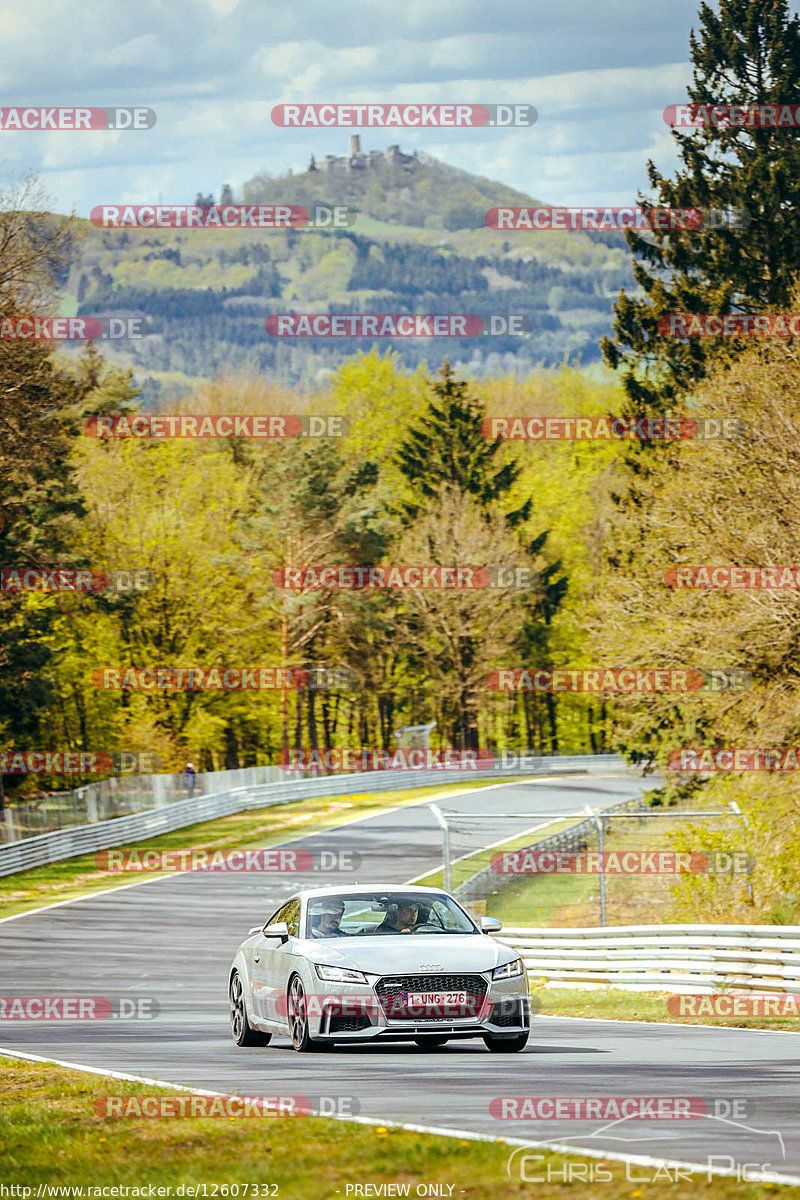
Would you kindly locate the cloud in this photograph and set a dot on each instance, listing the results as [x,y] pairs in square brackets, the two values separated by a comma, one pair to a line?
[146,50]
[599,75]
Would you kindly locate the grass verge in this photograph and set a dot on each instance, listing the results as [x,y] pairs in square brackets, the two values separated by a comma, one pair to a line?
[615,1004]
[51,1134]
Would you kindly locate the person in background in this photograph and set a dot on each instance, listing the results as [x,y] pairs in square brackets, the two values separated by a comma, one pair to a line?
[189,774]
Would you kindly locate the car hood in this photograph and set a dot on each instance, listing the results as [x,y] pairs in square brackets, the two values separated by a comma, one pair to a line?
[387,954]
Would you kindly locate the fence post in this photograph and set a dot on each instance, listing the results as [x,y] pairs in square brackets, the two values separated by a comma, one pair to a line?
[598,821]
[442,823]
[90,793]
[748,883]
[157,784]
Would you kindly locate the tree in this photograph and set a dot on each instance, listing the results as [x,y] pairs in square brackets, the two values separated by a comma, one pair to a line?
[42,405]
[447,448]
[447,453]
[316,507]
[747,54]
[454,637]
[171,508]
[716,504]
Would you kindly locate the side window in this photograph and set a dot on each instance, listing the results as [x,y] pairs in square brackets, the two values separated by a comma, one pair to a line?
[292,917]
[290,913]
[280,915]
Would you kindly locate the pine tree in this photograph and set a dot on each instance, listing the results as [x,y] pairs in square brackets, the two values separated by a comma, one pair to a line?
[446,448]
[747,54]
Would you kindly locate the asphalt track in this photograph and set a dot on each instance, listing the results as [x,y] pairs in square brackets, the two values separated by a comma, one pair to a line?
[172,939]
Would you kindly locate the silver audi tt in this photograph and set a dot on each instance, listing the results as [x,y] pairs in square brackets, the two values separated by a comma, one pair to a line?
[364,964]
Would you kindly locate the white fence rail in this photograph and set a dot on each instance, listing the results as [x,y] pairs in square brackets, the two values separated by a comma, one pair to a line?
[698,958]
[102,835]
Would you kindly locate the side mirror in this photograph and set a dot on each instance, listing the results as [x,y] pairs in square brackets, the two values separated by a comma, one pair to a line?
[279,930]
[491,925]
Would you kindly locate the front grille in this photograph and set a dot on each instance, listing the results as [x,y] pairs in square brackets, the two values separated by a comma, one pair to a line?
[390,991]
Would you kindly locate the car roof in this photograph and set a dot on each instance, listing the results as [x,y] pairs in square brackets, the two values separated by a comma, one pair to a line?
[367,889]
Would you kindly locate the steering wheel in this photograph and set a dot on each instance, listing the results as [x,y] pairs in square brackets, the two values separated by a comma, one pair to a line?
[429,925]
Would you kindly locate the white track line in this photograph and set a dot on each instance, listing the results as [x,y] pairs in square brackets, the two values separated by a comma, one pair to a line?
[642,1160]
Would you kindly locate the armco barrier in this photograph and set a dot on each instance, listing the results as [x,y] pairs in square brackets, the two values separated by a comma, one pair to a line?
[102,835]
[695,958]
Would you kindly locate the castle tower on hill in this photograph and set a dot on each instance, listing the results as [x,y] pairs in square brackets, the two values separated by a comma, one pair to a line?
[359,160]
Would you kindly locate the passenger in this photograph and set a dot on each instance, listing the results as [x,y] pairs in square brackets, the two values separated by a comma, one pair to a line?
[326,923]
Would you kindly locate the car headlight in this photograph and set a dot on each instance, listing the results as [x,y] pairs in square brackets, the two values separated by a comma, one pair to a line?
[340,974]
[509,969]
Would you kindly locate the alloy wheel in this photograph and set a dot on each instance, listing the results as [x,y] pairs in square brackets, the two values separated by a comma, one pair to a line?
[237,1008]
[297,1012]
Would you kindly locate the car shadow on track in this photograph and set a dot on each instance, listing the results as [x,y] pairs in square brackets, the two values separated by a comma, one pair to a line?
[453,1048]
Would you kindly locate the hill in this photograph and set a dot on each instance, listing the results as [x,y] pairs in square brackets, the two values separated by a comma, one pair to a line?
[391,187]
[418,244]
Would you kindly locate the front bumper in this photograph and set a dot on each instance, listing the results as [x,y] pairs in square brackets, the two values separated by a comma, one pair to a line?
[356,1012]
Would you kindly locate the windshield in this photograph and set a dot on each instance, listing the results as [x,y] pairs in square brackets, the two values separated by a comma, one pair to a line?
[379,913]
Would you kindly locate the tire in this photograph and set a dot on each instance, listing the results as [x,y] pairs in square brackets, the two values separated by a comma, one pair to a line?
[298,1018]
[506,1045]
[430,1043]
[241,1031]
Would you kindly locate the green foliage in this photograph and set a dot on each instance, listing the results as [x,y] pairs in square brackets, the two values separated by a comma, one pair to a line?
[747,53]
[447,448]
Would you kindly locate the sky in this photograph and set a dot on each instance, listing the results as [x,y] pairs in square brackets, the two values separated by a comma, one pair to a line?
[599,75]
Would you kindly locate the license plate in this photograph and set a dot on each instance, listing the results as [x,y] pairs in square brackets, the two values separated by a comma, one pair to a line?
[431,999]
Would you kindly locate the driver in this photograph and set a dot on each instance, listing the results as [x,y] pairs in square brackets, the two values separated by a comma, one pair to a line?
[326,923]
[400,918]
